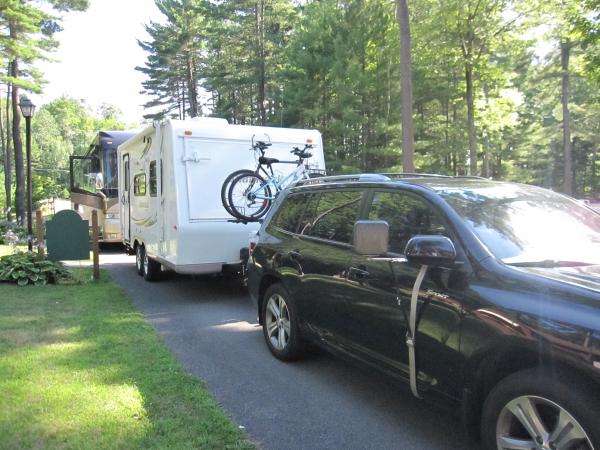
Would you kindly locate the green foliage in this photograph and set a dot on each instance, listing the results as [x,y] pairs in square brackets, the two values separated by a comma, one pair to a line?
[586,28]
[174,64]
[334,65]
[28,29]
[19,232]
[29,268]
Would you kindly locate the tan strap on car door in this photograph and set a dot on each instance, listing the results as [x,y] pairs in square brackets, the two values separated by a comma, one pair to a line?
[411,333]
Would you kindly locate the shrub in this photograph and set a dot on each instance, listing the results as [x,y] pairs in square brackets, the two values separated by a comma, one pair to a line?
[29,268]
[12,229]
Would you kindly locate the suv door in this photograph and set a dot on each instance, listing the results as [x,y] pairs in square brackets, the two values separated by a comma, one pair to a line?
[323,253]
[380,291]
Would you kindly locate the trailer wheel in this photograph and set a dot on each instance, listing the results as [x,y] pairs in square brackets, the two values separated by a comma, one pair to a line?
[139,259]
[151,268]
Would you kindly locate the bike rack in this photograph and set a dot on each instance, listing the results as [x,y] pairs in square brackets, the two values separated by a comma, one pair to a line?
[245,222]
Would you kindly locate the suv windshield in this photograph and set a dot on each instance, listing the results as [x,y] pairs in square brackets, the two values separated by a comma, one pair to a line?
[528,225]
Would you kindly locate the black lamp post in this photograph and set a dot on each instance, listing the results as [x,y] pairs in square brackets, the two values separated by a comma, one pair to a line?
[27,109]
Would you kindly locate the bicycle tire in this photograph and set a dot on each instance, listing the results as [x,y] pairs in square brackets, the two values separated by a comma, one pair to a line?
[226,185]
[238,195]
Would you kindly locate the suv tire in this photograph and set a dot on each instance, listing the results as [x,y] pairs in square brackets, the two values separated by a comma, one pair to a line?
[280,324]
[550,402]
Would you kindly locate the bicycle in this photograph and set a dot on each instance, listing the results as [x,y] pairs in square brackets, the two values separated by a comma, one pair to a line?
[247,195]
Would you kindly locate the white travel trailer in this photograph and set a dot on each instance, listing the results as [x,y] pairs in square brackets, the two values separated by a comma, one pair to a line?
[170,190]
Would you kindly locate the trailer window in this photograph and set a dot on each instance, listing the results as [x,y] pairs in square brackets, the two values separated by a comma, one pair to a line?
[152,179]
[139,184]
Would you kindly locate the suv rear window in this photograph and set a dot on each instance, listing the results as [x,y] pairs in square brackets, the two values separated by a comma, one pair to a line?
[333,215]
[291,212]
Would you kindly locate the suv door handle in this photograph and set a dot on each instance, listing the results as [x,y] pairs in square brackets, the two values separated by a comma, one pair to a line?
[358,274]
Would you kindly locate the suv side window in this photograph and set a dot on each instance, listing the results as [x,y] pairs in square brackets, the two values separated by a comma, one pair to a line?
[333,215]
[407,216]
[290,213]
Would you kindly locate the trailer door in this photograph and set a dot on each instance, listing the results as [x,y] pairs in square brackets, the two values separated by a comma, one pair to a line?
[208,162]
[125,201]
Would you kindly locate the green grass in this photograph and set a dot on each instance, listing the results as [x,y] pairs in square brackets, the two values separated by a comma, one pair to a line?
[7,250]
[80,368]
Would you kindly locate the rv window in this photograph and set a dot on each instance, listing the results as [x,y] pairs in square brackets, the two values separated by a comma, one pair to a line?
[152,180]
[139,184]
[126,175]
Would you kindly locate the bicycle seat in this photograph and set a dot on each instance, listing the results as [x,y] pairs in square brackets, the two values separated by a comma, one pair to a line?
[304,155]
[267,161]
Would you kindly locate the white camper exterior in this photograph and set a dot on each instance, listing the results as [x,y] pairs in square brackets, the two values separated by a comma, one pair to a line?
[170,189]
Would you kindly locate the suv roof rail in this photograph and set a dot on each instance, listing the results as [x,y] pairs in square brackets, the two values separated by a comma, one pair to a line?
[474,177]
[414,175]
[342,178]
[431,175]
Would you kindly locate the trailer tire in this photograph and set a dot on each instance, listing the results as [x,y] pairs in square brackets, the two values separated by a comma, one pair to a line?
[151,268]
[139,259]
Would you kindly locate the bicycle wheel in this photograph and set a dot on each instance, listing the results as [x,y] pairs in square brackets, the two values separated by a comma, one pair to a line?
[249,197]
[227,185]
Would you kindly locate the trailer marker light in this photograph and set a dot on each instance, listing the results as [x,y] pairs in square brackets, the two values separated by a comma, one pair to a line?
[188,132]
[309,141]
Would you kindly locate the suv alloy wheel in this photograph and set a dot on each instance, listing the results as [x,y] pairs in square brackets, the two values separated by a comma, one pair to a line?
[280,326]
[539,409]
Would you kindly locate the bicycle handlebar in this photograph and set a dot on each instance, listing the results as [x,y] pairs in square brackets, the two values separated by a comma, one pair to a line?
[297,151]
[261,145]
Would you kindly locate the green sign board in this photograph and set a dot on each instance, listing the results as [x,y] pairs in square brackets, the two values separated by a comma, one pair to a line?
[67,237]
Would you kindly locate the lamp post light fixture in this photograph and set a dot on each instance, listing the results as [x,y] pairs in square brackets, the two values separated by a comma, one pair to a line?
[27,109]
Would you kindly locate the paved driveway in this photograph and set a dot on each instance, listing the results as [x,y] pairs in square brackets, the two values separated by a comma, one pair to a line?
[320,403]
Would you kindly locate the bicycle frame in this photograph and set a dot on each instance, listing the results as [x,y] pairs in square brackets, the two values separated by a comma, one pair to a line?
[299,172]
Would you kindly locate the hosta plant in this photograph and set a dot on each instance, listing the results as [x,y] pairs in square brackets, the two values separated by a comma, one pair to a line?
[29,268]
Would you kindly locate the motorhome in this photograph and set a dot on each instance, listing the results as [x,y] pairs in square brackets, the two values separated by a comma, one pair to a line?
[172,215]
[94,184]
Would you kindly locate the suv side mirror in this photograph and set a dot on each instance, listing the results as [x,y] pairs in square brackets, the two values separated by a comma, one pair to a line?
[371,237]
[431,250]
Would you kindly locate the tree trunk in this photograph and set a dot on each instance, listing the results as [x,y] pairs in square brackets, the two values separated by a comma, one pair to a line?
[260,61]
[5,158]
[18,148]
[192,88]
[565,51]
[8,157]
[406,86]
[471,119]
[594,184]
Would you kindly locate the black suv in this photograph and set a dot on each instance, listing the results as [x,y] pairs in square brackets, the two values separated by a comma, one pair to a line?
[479,293]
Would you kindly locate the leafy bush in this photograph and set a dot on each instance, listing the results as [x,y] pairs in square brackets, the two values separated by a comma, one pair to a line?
[29,268]
[9,227]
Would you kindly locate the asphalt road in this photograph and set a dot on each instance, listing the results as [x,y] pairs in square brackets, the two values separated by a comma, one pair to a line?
[319,403]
